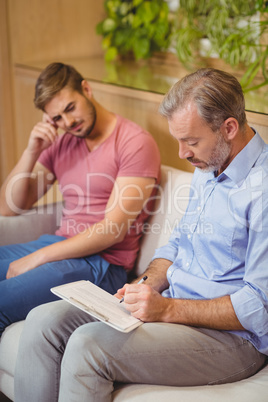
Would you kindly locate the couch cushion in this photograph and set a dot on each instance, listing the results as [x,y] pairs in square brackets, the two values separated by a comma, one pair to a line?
[249,390]
[9,345]
[171,203]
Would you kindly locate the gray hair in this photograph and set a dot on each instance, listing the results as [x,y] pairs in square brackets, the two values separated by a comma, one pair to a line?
[216,94]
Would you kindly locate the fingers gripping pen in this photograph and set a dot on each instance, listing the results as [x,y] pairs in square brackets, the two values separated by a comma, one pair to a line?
[141,281]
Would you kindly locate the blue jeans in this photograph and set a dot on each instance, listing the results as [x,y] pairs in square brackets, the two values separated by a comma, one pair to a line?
[20,294]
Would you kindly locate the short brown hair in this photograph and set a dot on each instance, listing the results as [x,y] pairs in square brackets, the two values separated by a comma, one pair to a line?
[53,79]
[216,94]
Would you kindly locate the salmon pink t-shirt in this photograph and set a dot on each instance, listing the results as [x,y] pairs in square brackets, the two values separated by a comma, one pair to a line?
[86,179]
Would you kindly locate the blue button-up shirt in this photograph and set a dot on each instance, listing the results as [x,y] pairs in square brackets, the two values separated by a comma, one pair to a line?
[221,244]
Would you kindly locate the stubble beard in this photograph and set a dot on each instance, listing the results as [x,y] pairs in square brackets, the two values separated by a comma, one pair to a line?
[219,155]
[92,115]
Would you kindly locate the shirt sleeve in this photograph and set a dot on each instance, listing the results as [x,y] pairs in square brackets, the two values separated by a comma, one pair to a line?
[251,302]
[170,250]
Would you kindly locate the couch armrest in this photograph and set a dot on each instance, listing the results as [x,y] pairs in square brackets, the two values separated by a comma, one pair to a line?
[31,225]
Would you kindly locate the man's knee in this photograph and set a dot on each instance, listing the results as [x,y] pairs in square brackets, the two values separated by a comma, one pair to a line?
[37,323]
[85,338]
[89,345]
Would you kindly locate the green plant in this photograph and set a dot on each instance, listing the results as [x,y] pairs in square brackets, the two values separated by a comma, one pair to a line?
[134,26]
[140,27]
[233,33]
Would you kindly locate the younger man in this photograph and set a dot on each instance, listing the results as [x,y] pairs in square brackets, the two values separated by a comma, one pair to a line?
[107,168]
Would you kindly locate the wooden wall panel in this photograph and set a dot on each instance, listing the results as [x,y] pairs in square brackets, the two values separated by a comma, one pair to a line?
[26,113]
[142,108]
[54,29]
[7,140]
[33,31]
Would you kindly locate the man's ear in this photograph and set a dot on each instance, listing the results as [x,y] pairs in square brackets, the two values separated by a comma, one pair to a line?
[86,88]
[230,128]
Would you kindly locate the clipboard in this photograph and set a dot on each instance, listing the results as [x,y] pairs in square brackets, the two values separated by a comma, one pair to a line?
[98,303]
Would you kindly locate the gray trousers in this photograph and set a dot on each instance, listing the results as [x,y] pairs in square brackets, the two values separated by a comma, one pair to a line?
[66,356]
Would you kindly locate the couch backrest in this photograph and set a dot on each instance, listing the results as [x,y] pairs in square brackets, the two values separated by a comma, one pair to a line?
[171,203]
[31,225]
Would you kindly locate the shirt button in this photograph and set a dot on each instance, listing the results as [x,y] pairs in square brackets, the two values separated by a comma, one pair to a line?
[187,264]
[189,236]
[198,208]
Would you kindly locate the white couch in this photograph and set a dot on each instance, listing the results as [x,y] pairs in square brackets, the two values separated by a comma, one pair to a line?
[172,201]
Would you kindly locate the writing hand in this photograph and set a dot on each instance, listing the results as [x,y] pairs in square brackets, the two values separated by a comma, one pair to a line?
[145,303]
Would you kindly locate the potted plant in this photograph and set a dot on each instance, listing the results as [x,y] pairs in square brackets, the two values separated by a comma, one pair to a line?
[233,30]
[135,27]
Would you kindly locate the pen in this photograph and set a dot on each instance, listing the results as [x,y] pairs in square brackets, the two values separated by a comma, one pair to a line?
[141,281]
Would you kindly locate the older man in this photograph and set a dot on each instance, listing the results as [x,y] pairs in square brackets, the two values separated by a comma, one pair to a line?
[204,304]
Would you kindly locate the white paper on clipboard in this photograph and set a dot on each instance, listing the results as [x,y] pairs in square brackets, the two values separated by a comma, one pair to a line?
[98,303]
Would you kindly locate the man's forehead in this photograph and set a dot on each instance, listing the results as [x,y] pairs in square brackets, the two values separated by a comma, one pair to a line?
[184,116]
[188,109]
[60,101]
[186,124]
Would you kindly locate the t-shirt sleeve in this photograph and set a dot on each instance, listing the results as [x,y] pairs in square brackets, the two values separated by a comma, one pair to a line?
[139,156]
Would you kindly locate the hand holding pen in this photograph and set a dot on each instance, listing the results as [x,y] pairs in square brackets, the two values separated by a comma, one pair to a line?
[141,281]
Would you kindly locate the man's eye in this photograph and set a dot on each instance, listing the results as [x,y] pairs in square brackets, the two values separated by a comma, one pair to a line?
[70,108]
[192,144]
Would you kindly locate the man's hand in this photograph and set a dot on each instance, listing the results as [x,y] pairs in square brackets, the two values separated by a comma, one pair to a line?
[22,265]
[144,302]
[42,136]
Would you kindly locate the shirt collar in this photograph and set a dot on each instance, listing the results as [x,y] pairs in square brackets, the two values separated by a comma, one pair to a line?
[241,165]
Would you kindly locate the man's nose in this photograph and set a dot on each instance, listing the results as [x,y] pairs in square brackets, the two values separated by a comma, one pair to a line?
[184,151]
[68,120]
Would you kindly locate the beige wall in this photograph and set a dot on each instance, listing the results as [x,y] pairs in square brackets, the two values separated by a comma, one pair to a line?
[33,31]
[54,29]
[41,31]
[7,158]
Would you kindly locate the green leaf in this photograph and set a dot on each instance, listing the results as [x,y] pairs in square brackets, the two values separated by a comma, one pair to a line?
[112,7]
[141,48]
[121,36]
[106,42]
[136,3]
[137,21]
[99,28]
[109,25]
[111,54]
[124,8]
[161,32]
[250,73]
[147,11]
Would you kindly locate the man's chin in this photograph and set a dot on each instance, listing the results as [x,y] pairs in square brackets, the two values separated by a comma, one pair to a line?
[82,134]
[207,169]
